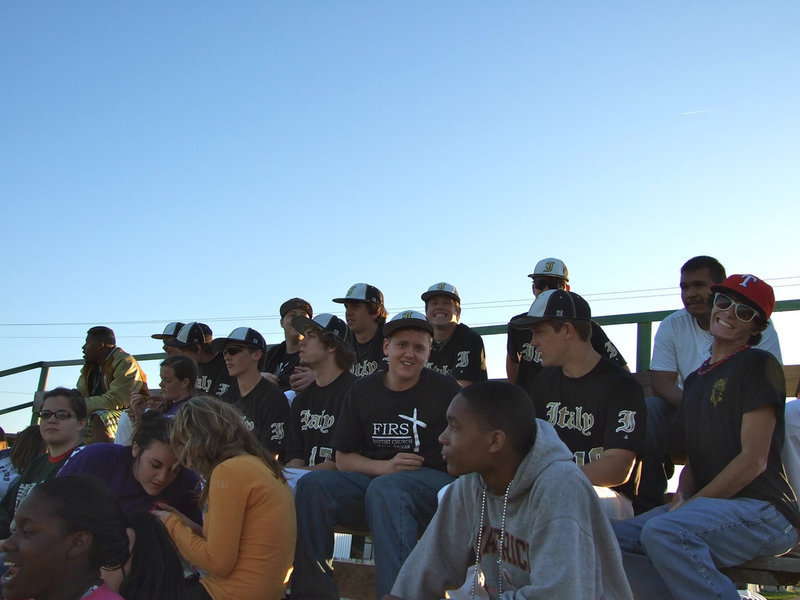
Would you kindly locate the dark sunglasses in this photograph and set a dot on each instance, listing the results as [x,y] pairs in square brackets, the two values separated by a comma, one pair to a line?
[233,350]
[743,312]
[60,415]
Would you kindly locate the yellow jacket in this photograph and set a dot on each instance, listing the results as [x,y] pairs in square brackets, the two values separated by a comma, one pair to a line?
[120,376]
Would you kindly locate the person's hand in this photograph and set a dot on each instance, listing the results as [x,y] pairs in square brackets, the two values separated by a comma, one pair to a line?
[138,405]
[404,461]
[163,511]
[301,378]
[270,377]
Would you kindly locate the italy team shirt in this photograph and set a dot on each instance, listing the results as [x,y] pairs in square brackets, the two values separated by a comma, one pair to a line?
[603,409]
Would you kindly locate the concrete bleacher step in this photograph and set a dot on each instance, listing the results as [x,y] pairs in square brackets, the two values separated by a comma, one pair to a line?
[355,579]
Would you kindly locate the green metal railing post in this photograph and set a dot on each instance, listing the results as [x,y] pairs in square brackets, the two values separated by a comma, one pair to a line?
[644,333]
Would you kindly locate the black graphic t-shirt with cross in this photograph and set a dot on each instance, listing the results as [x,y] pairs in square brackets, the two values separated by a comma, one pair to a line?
[379,422]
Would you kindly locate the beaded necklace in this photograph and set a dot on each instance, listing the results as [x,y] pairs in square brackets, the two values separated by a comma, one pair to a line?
[500,545]
[708,366]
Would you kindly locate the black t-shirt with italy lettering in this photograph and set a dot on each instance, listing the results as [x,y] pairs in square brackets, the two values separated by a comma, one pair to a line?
[313,420]
[601,410]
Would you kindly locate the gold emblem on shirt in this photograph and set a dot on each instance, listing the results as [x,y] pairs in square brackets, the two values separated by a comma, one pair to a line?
[718,391]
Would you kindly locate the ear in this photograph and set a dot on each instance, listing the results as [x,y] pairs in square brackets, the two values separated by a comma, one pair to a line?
[386,346]
[497,440]
[458,312]
[80,544]
[135,449]
[570,330]
[81,424]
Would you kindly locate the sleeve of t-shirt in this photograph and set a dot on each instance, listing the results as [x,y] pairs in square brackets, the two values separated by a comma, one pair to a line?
[513,341]
[605,347]
[764,384]
[625,424]
[472,365]
[349,435]
[665,355]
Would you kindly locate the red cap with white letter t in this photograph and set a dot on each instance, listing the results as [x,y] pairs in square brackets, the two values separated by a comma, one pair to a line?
[757,292]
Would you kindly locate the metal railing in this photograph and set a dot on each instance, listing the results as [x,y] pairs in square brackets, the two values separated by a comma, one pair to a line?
[644,335]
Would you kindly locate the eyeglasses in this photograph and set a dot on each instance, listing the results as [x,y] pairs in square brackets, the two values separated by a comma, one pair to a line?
[743,312]
[233,350]
[60,415]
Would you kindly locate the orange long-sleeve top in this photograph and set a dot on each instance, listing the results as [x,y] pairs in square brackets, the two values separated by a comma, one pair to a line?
[249,532]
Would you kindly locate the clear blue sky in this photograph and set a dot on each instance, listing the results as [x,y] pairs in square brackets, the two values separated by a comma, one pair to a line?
[206,160]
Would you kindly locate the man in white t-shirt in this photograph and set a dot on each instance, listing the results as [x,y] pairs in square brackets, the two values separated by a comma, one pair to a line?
[682,343]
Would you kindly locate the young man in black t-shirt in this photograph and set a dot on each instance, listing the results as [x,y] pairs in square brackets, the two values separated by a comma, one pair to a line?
[283,360]
[389,459]
[263,405]
[325,349]
[194,339]
[365,314]
[596,407]
[457,350]
[523,361]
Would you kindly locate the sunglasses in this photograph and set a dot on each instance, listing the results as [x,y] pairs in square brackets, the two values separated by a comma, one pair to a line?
[743,312]
[233,350]
[60,415]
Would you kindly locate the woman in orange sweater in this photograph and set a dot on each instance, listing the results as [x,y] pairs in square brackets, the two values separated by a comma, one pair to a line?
[246,544]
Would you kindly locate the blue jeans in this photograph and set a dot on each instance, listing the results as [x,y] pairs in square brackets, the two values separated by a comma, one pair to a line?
[678,554]
[395,508]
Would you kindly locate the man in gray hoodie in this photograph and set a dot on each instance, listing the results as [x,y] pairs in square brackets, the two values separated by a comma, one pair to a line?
[522,502]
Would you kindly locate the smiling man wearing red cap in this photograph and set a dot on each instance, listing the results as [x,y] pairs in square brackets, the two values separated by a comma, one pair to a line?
[733,502]
[682,343]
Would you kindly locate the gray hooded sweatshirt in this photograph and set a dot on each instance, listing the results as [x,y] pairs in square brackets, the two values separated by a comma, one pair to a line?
[558,543]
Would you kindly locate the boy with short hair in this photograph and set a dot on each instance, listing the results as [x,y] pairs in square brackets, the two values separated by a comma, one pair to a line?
[537,524]
[596,406]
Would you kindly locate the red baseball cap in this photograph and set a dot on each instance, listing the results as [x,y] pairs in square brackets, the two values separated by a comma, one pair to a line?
[757,292]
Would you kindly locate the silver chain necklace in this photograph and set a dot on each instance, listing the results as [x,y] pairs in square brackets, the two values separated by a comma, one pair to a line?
[500,545]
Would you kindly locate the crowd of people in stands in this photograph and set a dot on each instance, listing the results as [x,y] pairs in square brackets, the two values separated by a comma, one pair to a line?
[228,483]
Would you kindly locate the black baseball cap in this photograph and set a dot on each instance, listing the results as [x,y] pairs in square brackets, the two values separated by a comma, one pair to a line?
[408,319]
[245,336]
[323,322]
[170,331]
[362,292]
[296,303]
[555,304]
[191,334]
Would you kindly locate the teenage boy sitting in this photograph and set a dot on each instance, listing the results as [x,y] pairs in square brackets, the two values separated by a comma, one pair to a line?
[521,502]
[389,459]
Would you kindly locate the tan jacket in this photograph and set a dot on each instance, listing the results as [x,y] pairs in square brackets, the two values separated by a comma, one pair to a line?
[121,375]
